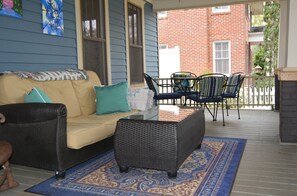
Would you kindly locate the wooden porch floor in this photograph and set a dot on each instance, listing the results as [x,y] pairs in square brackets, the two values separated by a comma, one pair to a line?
[266,168]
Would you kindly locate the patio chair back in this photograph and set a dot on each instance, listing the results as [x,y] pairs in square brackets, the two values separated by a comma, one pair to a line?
[180,84]
[232,90]
[210,90]
[152,84]
[234,83]
[211,86]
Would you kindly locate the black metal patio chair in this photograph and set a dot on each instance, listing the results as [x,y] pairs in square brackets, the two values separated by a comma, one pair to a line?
[232,89]
[210,90]
[183,82]
[154,86]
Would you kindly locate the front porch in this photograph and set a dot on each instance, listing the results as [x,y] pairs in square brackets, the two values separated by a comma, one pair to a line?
[267,167]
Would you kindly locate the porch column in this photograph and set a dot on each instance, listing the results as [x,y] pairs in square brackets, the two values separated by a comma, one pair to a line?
[287,71]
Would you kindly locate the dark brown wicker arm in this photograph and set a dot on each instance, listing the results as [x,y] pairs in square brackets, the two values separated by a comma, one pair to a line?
[36,131]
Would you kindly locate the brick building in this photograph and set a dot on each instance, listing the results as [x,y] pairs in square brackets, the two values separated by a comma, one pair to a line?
[210,39]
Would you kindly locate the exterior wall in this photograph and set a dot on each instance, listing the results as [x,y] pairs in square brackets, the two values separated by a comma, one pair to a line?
[187,29]
[232,26]
[151,41]
[117,41]
[288,111]
[195,30]
[23,46]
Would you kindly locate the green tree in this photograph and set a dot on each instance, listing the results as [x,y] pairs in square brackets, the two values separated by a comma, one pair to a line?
[267,55]
[271,32]
[258,20]
[259,58]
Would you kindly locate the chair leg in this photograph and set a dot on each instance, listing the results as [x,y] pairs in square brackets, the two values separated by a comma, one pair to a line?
[211,113]
[223,113]
[8,177]
[227,107]
[238,108]
[214,112]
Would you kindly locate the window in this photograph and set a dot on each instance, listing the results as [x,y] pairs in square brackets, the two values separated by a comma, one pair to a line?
[94,37]
[221,57]
[135,43]
[220,9]
[163,46]
[162,14]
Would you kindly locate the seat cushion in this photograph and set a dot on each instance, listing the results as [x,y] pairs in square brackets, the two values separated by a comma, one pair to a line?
[86,130]
[176,95]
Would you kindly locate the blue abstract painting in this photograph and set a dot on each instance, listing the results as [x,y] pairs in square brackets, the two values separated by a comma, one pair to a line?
[11,8]
[52,17]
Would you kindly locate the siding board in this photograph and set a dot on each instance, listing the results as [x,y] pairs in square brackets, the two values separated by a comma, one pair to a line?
[117,41]
[28,49]
[151,50]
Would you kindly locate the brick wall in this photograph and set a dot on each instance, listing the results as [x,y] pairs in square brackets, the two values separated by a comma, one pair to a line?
[195,30]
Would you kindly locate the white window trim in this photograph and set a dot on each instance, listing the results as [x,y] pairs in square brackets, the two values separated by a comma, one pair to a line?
[162,14]
[79,40]
[163,45]
[139,3]
[213,54]
[214,10]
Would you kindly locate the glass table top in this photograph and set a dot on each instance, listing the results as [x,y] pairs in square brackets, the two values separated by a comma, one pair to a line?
[163,113]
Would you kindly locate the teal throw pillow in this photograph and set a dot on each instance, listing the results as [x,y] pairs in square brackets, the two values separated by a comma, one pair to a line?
[113,98]
[37,95]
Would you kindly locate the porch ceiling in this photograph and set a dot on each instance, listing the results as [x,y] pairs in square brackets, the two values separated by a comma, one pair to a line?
[159,5]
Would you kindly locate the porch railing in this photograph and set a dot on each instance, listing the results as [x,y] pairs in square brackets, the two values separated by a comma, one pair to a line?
[256,92]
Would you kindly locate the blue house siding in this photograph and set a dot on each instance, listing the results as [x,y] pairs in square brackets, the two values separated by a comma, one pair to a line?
[117,41]
[23,46]
[151,41]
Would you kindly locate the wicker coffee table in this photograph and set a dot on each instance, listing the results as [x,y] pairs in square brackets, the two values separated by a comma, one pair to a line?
[160,138]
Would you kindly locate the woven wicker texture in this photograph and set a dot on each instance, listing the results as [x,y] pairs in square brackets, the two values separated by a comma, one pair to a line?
[158,144]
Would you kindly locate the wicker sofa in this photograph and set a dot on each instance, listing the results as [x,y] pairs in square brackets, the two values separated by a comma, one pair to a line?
[55,136]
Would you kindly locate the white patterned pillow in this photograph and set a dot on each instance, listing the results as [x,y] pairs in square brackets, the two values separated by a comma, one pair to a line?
[140,98]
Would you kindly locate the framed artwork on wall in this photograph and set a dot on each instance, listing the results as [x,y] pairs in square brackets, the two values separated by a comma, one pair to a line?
[52,17]
[11,8]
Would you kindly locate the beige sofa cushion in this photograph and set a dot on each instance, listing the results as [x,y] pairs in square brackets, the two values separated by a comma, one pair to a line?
[13,89]
[62,92]
[84,90]
[86,130]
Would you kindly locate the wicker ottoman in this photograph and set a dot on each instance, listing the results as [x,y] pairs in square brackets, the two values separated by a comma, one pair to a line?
[158,138]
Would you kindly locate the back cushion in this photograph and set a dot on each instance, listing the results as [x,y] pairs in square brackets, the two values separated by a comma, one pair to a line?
[62,92]
[13,88]
[84,90]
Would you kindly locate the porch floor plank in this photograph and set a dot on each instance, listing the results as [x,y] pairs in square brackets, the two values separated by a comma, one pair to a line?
[267,167]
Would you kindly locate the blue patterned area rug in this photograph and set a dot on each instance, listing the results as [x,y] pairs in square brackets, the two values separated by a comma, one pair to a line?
[210,170]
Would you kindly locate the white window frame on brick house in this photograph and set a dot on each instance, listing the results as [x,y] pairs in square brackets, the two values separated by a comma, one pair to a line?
[162,14]
[222,58]
[221,9]
[163,46]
